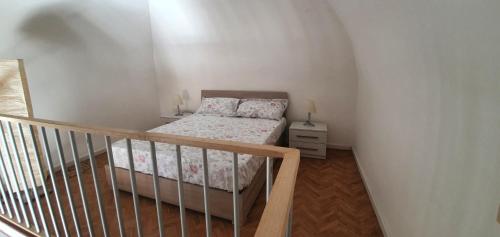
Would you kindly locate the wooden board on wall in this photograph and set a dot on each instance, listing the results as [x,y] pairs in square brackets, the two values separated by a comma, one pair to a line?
[15,100]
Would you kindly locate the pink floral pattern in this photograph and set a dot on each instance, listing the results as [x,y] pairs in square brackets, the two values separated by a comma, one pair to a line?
[262,108]
[249,130]
[219,105]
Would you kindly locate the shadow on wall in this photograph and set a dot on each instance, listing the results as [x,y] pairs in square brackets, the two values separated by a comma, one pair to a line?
[81,51]
[61,26]
[86,63]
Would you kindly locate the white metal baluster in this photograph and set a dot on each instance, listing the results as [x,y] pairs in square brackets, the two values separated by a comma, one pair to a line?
[42,180]
[9,193]
[20,170]
[236,197]
[50,166]
[133,184]
[16,184]
[83,192]
[156,186]
[116,193]
[206,194]
[62,163]
[4,201]
[98,193]
[269,177]
[180,191]
[31,175]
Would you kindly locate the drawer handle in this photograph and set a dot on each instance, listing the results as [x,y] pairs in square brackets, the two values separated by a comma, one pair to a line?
[307,149]
[308,137]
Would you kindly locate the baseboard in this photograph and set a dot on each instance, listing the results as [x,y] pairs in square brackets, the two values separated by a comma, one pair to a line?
[69,164]
[370,195]
[339,147]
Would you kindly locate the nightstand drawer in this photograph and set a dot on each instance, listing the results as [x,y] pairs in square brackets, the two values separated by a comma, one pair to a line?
[307,148]
[307,136]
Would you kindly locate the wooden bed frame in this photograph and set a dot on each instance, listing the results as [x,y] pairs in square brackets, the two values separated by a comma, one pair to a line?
[221,201]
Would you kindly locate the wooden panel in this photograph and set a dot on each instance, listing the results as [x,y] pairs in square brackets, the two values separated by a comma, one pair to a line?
[15,100]
[244,94]
[14,96]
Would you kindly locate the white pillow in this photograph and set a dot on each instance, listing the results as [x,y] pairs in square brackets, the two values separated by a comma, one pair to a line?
[262,108]
[219,105]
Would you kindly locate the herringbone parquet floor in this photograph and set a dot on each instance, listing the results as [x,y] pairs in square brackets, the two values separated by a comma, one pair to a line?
[330,200]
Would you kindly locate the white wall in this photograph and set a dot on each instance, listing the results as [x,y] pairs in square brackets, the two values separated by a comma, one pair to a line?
[89,62]
[296,46]
[428,112]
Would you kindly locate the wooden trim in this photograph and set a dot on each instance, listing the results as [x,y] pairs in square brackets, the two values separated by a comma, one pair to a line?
[244,94]
[274,219]
[26,90]
[18,227]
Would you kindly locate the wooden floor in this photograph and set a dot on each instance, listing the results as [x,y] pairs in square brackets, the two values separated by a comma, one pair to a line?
[330,200]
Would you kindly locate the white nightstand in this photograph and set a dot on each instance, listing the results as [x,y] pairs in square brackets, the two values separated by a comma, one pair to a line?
[172,118]
[311,141]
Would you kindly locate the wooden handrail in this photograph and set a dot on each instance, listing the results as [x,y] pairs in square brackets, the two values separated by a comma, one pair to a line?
[214,144]
[274,219]
[23,230]
[275,216]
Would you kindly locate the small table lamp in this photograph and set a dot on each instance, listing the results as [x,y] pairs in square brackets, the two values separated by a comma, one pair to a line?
[178,102]
[311,108]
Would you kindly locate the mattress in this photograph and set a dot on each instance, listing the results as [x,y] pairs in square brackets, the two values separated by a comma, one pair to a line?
[220,167]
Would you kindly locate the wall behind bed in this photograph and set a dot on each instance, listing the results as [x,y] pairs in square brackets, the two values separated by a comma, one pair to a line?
[296,46]
[87,61]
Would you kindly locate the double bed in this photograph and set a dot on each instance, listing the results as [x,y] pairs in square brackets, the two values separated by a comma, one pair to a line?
[251,170]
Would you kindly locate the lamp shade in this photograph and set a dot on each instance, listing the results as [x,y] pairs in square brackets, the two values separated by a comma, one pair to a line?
[311,106]
[178,100]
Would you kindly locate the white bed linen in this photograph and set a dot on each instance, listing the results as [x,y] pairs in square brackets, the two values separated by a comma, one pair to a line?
[249,130]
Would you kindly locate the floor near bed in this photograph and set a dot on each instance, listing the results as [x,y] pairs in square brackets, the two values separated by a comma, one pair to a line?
[330,200]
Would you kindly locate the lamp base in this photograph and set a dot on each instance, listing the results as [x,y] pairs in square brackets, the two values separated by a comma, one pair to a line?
[308,122]
[179,112]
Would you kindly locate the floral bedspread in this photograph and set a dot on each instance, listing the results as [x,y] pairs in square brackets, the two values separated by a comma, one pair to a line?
[250,130]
